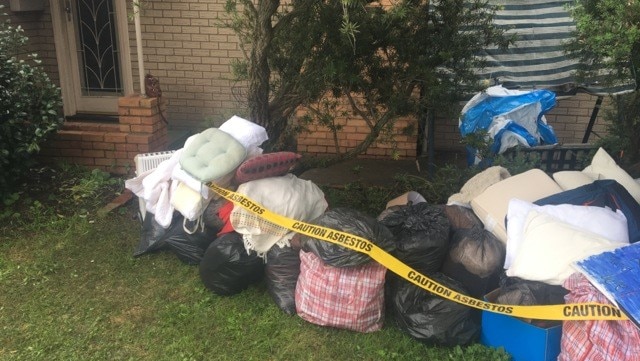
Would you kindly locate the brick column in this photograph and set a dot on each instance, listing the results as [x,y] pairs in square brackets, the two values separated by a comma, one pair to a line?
[112,146]
[141,119]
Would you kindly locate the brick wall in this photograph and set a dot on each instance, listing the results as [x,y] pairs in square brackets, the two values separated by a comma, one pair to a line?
[112,146]
[191,54]
[319,140]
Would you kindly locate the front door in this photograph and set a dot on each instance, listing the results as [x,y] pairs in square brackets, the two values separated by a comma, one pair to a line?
[92,48]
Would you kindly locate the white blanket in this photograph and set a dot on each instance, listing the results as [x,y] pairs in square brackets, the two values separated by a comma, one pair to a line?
[155,188]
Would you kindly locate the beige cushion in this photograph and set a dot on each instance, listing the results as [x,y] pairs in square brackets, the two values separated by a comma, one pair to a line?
[491,205]
[571,179]
[550,247]
[606,168]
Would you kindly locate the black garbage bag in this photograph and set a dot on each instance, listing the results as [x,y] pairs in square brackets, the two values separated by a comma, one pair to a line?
[518,291]
[227,268]
[210,216]
[281,274]
[422,236]
[188,247]
[389,210]
[353,222]
[429,318]
[475,259]
[461,217]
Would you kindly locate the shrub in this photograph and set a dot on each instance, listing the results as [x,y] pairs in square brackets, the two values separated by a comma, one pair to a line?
[30,105]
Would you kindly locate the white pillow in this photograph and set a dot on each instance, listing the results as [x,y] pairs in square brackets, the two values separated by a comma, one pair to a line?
[599,220]
[550,247]
[606,167]
[249,134]
[571,179]
[491,205]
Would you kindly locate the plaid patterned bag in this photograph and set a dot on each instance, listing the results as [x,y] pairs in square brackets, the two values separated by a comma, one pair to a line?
[596,340]
[349,297]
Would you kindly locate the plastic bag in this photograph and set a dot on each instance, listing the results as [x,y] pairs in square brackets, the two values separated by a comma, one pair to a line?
[210,216]
[429,318]
[422,236]
[353,222]
[189,248]
[281,275]
[461,217]
[227,268]
[518,291]
[349,298]
[475,259]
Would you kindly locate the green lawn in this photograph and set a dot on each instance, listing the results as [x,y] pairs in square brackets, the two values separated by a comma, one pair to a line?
[71,290]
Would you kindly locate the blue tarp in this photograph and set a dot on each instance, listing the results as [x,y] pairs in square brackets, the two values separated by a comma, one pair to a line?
[510,117]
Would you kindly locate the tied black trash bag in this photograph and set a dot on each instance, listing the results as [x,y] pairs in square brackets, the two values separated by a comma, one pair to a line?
[189,248]
[281,274]
[353,222]
[227,268]
[518,291]
[429,318]
[422,236]
[461,217]
[210,216]
[475,259]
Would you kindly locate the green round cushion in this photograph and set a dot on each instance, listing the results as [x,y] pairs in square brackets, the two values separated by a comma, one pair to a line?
[211,155]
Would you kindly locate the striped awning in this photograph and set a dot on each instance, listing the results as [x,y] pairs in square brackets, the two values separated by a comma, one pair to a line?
[537,60]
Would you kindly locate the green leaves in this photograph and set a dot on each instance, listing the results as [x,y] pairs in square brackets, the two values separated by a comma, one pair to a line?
[607,42]
[30,102]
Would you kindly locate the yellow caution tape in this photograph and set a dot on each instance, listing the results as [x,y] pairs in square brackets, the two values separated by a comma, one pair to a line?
[573,312]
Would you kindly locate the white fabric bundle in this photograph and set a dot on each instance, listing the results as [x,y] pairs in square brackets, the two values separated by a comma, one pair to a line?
[155,188]
[599,220]
[288,196]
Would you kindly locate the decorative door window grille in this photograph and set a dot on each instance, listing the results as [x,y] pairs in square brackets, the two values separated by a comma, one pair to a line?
[98,48]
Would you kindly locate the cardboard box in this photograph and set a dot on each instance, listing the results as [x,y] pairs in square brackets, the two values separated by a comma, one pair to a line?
[404,199]
[523,340]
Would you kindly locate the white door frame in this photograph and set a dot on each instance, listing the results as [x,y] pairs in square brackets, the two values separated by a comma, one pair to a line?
[63,32]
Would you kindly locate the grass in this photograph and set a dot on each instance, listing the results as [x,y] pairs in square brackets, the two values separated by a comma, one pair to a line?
[71,290]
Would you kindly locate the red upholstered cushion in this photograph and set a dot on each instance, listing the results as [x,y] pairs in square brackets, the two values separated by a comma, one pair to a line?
[266,165]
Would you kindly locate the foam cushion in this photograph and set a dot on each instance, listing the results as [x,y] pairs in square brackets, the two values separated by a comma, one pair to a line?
[572,179]
[188,202]
[492,204]
[606,167]
[550,247]
[266,165]
[212,154]
[599,220]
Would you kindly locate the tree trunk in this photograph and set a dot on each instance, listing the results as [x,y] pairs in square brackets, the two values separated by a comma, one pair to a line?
[259,72]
